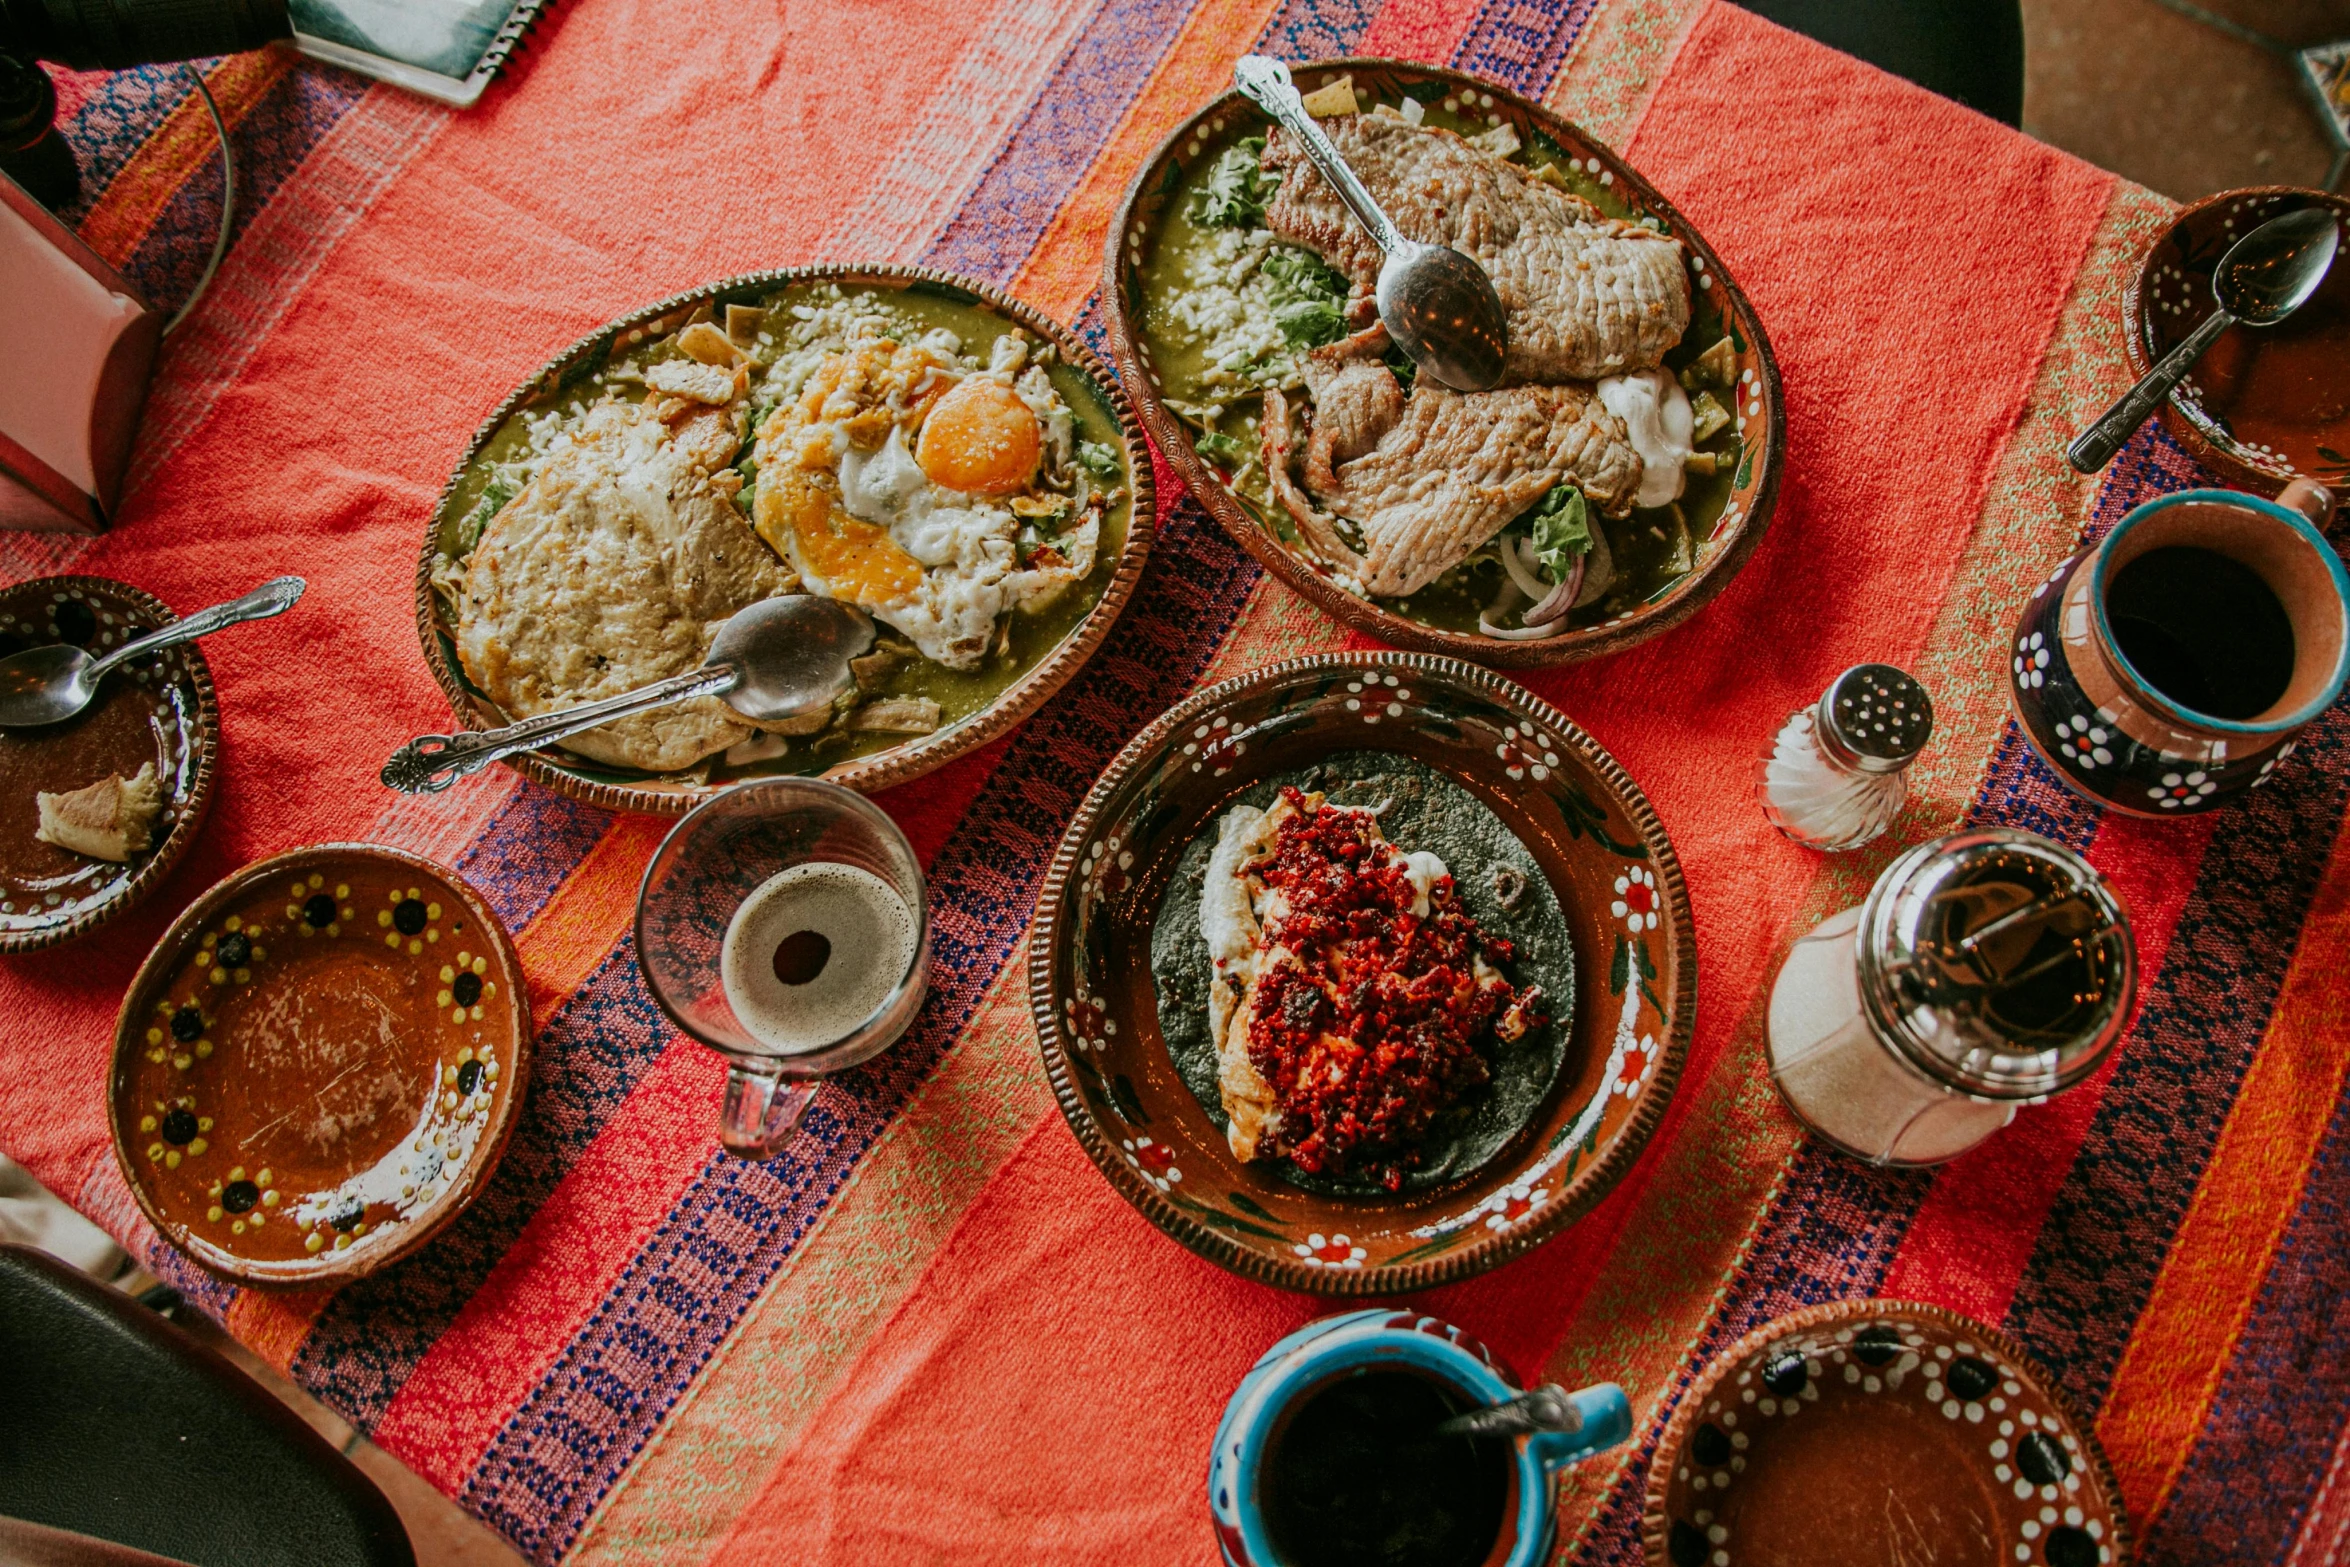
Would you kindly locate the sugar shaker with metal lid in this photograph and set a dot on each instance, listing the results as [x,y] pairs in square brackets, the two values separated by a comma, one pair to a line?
[1989,970]
[1833,776]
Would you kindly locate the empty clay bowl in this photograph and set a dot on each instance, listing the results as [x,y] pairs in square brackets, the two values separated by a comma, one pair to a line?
[1875,1431]
[319,1064]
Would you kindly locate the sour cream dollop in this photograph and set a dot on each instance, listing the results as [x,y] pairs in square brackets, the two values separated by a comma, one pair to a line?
[1656,415]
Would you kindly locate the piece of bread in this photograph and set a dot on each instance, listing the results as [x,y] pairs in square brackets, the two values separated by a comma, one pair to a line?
[111,819]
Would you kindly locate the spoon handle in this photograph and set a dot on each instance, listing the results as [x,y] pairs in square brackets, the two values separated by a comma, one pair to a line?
[2096,445]
[1546,1408]
[1265,82]
[430,763]
[273,597]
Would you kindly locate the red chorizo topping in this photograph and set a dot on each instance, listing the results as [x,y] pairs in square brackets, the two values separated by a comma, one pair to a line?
[1382,1022]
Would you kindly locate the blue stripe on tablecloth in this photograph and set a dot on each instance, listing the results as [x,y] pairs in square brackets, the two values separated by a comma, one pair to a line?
[535,841]
[2199,1022]
[2270,1433]
[270,143]
[683,1292]
[1050,151]
[1522,45]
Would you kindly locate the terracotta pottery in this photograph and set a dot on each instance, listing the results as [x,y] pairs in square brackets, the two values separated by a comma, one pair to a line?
[624,789]
[319,1064]
[160,709]
[1872,1431]
[2265,406]
[1338,1347]
[2107,731]
[1581,819]
[1756,405]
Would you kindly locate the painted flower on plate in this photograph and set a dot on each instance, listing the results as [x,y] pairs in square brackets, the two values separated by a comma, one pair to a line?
[1636,902]
[1155,1160]
[1334,1251]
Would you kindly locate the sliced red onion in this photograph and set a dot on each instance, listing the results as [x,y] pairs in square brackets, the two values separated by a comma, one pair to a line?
[1522,570]
[1561,598]
[1523,634]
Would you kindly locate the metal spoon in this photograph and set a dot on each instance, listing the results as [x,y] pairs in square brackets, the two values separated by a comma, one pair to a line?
[2264,277]
[781,658]
[1546,1408]
[46,685]
[1436,303]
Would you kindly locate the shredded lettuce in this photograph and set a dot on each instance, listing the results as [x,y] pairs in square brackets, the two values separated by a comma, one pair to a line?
[1235,193]
[493,501]
[1307,297]
[1218,447]
[1309,323]
[1561,530]
[1098,458]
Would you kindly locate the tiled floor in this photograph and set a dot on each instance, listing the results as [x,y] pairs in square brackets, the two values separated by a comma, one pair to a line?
[2173,103]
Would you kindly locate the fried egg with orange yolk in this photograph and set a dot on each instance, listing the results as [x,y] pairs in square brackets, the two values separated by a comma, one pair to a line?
[889,483]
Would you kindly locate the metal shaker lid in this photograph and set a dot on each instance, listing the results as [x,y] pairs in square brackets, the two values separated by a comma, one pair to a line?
[1876,718]
[1997,962]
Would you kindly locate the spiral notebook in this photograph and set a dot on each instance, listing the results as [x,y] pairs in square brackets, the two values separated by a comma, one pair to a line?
[444,49]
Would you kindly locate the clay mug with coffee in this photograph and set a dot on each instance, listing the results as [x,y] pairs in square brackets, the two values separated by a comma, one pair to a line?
[2169,667]
[1332,1453]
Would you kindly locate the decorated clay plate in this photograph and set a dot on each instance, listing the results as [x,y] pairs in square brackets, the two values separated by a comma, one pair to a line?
[1673,561]
[2262,408]
[1580,825]
[1871,1431]
[1042,651]
[319,1064]
[159,710]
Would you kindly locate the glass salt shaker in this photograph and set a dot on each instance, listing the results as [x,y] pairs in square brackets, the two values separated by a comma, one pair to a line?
[1987,971]
[1833,776]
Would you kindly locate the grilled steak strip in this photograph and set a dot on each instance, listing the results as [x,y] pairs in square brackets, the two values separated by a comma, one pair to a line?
[1587,296]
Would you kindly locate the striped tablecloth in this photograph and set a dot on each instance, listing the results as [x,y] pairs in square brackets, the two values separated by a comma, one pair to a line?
[930,1332]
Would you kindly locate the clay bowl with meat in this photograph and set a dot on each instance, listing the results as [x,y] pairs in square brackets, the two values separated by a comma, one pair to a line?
[1521,527]
[1563,809]
[913,712]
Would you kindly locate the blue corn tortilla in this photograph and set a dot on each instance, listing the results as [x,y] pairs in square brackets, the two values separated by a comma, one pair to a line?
[1426,811]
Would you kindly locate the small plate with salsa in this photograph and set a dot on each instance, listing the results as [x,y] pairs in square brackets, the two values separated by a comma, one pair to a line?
[2264,407]
[151,733]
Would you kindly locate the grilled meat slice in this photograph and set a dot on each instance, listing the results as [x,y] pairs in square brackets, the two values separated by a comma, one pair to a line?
[1587,295]
[1446,470]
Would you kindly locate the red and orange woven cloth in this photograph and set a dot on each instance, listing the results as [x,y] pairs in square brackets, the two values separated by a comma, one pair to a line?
[930,1332]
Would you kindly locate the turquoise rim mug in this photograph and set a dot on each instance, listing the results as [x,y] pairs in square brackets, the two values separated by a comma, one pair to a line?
[1323,1351]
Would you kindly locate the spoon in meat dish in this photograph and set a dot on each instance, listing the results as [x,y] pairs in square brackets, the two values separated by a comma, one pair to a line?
[780,659]
[1437,304]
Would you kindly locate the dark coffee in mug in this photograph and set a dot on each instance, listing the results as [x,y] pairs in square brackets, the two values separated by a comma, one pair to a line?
[2203,630]
[1359,1477]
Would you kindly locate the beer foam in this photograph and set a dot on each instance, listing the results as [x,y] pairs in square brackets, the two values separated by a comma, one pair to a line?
[872,934]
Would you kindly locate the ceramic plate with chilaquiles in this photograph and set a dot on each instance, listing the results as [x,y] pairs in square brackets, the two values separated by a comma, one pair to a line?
[1600,883]
[2171,666]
